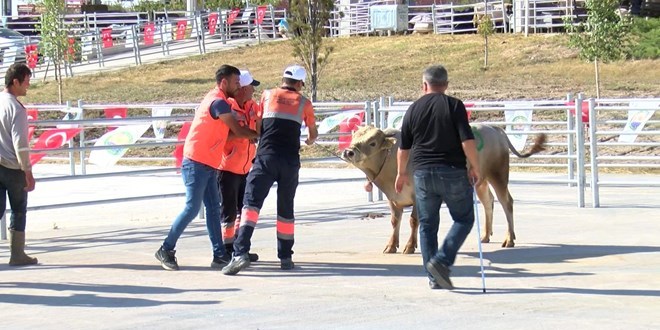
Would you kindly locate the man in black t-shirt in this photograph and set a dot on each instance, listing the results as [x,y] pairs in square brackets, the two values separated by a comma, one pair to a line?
[436,128]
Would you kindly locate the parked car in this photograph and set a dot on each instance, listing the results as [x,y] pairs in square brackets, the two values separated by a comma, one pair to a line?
[11,43]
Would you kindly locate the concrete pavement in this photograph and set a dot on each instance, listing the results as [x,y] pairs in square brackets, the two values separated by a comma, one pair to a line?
[583,268]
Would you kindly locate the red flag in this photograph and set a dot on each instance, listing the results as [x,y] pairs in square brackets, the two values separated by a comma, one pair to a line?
[232,15]
[71,50]
[149,29]
[115,113]
[585,110]
[31,56]
[469,113]
[106,36]
[213,22]
[261,13]
[181,30]
[349,125]
[178,150]
[52,139]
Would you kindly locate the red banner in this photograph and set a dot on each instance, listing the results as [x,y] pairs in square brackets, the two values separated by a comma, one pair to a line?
[213,22]
[178,150]
[52,139]
[106,36]
[232,15]
[261,13]
[469,112]
[585,110]
[115,113]
[349,125]
[181,30]
[149,30]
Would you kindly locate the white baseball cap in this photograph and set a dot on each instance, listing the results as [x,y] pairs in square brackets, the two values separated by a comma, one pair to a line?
[295,72]
[246,79]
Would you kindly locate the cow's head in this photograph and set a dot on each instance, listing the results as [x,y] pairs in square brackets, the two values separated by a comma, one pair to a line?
[367,144]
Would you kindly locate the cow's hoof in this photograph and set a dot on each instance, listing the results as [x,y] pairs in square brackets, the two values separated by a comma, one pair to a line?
[390,249]
[485,239]
[508,243]
[409,250]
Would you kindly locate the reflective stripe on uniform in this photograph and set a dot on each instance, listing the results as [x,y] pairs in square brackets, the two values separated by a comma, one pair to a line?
[285,228]
[228,231]
[249,216]
[269,112]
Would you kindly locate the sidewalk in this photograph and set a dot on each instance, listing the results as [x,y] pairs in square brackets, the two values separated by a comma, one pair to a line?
[587,268]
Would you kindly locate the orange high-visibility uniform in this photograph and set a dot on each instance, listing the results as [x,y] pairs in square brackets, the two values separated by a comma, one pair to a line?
[207,136]
[238,153]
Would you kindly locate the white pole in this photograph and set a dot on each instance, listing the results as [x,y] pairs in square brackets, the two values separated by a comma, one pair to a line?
[481,256]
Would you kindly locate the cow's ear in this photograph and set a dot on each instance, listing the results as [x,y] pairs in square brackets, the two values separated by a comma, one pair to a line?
[389,142]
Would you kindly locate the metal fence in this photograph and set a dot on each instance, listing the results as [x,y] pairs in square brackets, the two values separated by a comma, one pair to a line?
[520,16]
[581,133]
[134,38]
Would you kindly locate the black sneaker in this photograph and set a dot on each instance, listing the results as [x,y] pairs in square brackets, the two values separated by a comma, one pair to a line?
[167,259]
[433,285]
[286,264]
[236,265]
[253,257]
[440,274]
[219,262]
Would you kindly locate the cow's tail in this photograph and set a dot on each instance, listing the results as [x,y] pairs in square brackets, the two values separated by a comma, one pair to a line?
[539,145]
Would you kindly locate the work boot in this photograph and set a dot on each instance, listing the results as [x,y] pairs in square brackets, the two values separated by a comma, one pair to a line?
[286,264]
[440,274]
[433,285]
[237,264]
[219,262]
[17,250]
[167,259]
[230,251]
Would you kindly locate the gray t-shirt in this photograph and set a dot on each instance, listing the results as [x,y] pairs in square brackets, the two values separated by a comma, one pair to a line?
[14,144]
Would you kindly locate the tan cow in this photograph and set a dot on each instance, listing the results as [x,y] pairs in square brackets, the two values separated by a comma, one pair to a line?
[374,152]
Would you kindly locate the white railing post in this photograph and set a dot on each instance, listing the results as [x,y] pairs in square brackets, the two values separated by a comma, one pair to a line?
[579,133]
[593,148]
[83,163]
[570,140]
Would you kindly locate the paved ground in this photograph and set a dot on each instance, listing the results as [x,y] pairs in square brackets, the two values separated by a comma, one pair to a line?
[583,268]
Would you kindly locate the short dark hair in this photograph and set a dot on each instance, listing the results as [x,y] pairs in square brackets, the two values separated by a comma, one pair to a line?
[17,71]
[289,81]
[225,71]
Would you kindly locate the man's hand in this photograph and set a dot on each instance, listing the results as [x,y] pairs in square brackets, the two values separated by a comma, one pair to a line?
[29,181]
[475,179]
[401,180]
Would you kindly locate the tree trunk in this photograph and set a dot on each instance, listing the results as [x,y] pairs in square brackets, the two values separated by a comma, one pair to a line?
[57,69]
[597,77]
[485,52]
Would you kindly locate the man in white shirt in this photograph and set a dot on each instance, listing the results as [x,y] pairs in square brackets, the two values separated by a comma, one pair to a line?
[16,178]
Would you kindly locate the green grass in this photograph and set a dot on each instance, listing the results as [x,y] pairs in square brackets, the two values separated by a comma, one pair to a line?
[365,68]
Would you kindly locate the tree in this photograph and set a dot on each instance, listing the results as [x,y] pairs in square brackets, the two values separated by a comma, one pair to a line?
[485,28]
[54,42]
[604,37]
[307,21]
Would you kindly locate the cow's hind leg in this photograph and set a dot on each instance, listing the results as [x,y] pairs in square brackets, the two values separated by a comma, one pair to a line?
[487,199]
[502,191]
[393,244]
[414,227]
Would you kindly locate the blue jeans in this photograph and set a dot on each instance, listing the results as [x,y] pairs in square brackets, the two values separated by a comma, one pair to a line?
[432,187]
[12,184]
[201,183]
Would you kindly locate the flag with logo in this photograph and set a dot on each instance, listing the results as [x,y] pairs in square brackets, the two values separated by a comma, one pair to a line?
[213,23]
[160,125]
[349,125]
[113,113]
[149,29]
[640,112]
[52,139]
[329,123]
[32,114]
[520,114]
[123,135]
